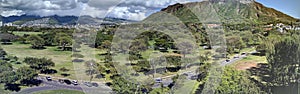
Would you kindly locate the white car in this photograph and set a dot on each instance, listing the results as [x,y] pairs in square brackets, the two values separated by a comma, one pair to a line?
[49,78]
[236,56]
[75,82]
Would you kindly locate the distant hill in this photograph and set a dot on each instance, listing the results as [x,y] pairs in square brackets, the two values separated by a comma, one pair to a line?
[61,20]
[227,11]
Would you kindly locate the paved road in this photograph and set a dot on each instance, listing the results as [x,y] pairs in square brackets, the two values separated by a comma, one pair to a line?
[190,74]
[224,63]
[55,85]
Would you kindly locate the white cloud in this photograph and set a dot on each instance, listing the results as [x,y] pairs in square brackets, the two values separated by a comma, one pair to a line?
[12,12]
[124,12]
[93,11]
[127,9]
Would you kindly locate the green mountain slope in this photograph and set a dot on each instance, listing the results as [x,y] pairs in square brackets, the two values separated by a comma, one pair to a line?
[227,11]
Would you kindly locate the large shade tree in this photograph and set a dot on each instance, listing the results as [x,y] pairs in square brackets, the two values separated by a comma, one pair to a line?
[284,60]
[63,40]
[237,82]
[36,41]
[39,63]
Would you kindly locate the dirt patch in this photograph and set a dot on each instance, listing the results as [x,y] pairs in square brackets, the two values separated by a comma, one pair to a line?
[245,65]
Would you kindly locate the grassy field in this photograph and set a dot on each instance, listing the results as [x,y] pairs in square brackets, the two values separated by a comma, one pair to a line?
[61,58]
[60,92]
[187,88]
[256,59]
[248,62]
[30,33]
[2,91]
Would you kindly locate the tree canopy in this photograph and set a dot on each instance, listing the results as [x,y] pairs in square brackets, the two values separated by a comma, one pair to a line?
[237,82]
[39,63]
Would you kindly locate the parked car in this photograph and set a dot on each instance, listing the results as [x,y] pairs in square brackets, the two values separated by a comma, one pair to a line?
[95,84]
[75,82]
[61,81]
[236,56]
[227,60]
[89,84]
[49,78]
[158,80]
[67,81]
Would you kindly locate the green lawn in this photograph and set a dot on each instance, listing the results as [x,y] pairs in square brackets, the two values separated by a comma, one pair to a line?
[60,58]
[187,88]
[2,91]
[257,59]
[60,92]
[20,33]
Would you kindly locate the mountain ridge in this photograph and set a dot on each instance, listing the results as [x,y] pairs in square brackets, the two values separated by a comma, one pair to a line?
[60,20]
[228,11]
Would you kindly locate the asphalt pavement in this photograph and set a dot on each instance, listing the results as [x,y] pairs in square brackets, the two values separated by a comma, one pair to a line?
[56,85]
[191,74]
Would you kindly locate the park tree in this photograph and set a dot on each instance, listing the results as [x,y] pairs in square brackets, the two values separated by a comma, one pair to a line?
[162,43]
[234,42]
[91,68]
[139,45]
[26,73]
[5,66]
[102,37]
[2,53]
[36,41]
[262,48]
[63,40]
[142,65]
[237,82]
[202,71]
[106,44]
[247,37]
[49,38]
[284,60]
[124,86]
[8,77]
[39,63]
[174,60]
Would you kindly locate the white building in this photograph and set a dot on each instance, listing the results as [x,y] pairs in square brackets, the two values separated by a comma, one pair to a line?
[1,23]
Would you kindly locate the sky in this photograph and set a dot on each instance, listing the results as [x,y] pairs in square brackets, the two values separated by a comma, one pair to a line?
[127,9]
[290,7]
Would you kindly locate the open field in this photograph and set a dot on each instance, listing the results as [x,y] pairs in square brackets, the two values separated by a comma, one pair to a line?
[22,33]
[2,91]
[250,61]
[187,86]
[60,58]
[59,92]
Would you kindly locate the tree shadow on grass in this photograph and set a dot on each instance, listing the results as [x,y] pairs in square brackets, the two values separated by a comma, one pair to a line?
[99,76]
[258,54]
[262,70]
[13,87]
[65,74]
[33,82]
[49,71]
[77,60]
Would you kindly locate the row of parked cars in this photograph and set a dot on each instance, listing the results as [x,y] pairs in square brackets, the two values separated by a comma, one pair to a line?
[237,56]
[74,82]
